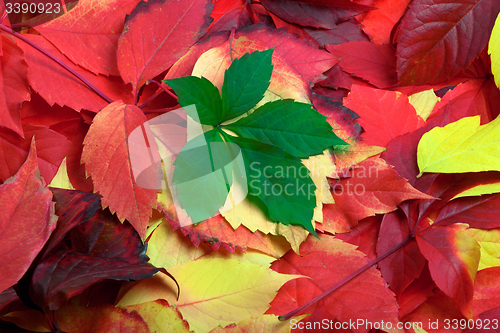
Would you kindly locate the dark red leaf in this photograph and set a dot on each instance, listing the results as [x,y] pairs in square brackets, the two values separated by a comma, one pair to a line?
[438,38]
[453,258]
[101,248]
[404,266]
[372,62]
[344,32]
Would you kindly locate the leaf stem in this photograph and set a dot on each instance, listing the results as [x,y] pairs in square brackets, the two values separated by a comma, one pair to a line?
[78,76]
[345,280]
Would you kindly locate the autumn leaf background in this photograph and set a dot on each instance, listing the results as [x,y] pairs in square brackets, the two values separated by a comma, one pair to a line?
[406,205]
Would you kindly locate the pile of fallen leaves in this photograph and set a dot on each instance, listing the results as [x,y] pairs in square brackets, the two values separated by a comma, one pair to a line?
[402,233]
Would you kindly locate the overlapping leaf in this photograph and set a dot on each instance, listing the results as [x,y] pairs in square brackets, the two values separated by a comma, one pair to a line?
[107,161]
[27,220]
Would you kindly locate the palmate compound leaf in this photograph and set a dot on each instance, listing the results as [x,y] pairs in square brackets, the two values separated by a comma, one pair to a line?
[280,180]
[275,136]
[193,90]
[462,146]
[293,126]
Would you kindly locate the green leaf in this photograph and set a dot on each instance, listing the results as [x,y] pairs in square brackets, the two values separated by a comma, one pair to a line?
[293,126]
[203,174]
[203,94]
[245,83]
[280,180]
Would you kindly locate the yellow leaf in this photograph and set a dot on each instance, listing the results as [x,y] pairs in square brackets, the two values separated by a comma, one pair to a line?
[214,292]
[489,240]
[424,102]
[479,190]
[61,179]
[264,323]
[494,51]
[160,317]
[462,146]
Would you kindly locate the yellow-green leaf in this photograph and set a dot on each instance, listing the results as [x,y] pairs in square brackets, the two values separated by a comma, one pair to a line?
[160,317]
[424,102]
[462,146]
[479,190]
[264,323]
[489,240]
[214,292]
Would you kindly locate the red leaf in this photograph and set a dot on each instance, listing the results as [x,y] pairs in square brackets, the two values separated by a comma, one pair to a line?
[486,290]
[63,88]
[313,14]
[364,235]
[436,314]
[305,57]
[107,159]
[146,49]
[416,293]
[38,111]
[378,23]
[372,62]
[344,32]
[92,46]
[438,38]
[474,97]
[26,220]
[51,147]
[479,212]
[14,88]
[384,114]
[453,260]
[404,266]
[216,231]
[101,248]
[374,188]
[327,261]
[102,319]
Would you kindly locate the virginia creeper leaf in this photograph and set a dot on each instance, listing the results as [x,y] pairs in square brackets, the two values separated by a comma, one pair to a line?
[384,114]
[403,267]
[146,49]
[245,82]
[92,46]
[215,291]
[281,181]
[489,240]
[101,319]
[326,261]
[453,258]
[293,126]
[26,220]
[192,90]
[438,38]
[372,62]
[14,88]
[101,248]
[462,146]
[486,290]
[107,160]
[203,169]
[161,317]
